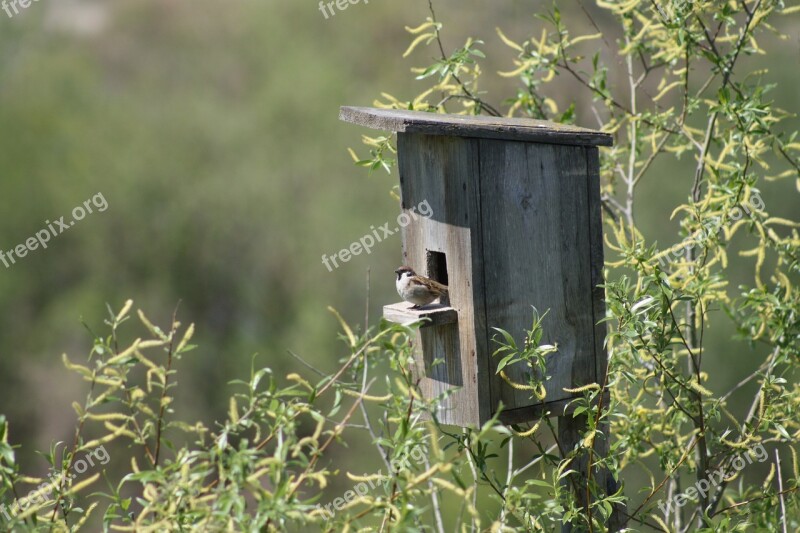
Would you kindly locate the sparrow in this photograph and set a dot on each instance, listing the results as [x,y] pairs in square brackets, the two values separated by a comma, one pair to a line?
[417,290]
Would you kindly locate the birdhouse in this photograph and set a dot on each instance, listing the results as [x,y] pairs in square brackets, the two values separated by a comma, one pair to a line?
[515,223]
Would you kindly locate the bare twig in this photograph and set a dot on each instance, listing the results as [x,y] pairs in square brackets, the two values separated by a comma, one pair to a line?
[751,500]
[509,478]
[437,508]
[780,489]
[163,409]
[667,478]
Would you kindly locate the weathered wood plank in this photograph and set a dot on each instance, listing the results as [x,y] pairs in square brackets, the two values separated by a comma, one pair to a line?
[597,262]
[552,409]
[534,217]
[516,129]
[443,368]
[437,314]
[444,171]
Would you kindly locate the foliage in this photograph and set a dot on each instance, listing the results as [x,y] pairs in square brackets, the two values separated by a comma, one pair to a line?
[533,355]
[661,301]
[260,469]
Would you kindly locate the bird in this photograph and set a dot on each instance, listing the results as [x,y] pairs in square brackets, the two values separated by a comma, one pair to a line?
[417,290]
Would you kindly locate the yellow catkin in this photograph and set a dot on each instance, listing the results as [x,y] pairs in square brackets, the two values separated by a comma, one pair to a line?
[367,397]
[419,29]
[783,280]
[416,42]
[120,430]
[449,486]
[429,473]
[591,386]
[96,443]
[782,222]
[742,445]
[507,41]
[125,354]
[514,384]
[365,479]
[529,432]
[82,485]
[297,379]
[770,476]
[660,522]
[435,450]
[699,388]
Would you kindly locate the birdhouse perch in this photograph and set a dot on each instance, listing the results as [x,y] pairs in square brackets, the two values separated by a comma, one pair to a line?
[516,222]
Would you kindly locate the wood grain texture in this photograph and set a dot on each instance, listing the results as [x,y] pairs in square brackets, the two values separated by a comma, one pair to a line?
[516,129]
[559,408]
[597,263]
[536,249]
[444,171]
[571,430]
[442,367]
[436,314]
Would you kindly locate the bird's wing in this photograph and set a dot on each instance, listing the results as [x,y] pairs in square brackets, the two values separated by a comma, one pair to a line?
[434,286]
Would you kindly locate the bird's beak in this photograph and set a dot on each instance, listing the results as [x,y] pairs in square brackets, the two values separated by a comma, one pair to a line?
[397,271]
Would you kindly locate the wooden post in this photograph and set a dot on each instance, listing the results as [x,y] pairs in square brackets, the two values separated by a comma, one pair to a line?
[571,432]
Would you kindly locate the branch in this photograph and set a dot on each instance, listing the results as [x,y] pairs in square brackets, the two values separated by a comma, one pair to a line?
[467,92]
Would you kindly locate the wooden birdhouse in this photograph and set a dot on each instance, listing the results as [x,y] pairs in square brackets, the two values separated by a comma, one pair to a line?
[515,222]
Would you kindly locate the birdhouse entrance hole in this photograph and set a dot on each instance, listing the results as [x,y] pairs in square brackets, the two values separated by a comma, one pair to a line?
[437,267]
[437,271]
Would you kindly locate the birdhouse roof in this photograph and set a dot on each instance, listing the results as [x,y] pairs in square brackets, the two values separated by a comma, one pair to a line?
[502,128]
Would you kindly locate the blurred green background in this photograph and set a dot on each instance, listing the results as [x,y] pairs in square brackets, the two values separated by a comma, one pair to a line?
[211,129]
